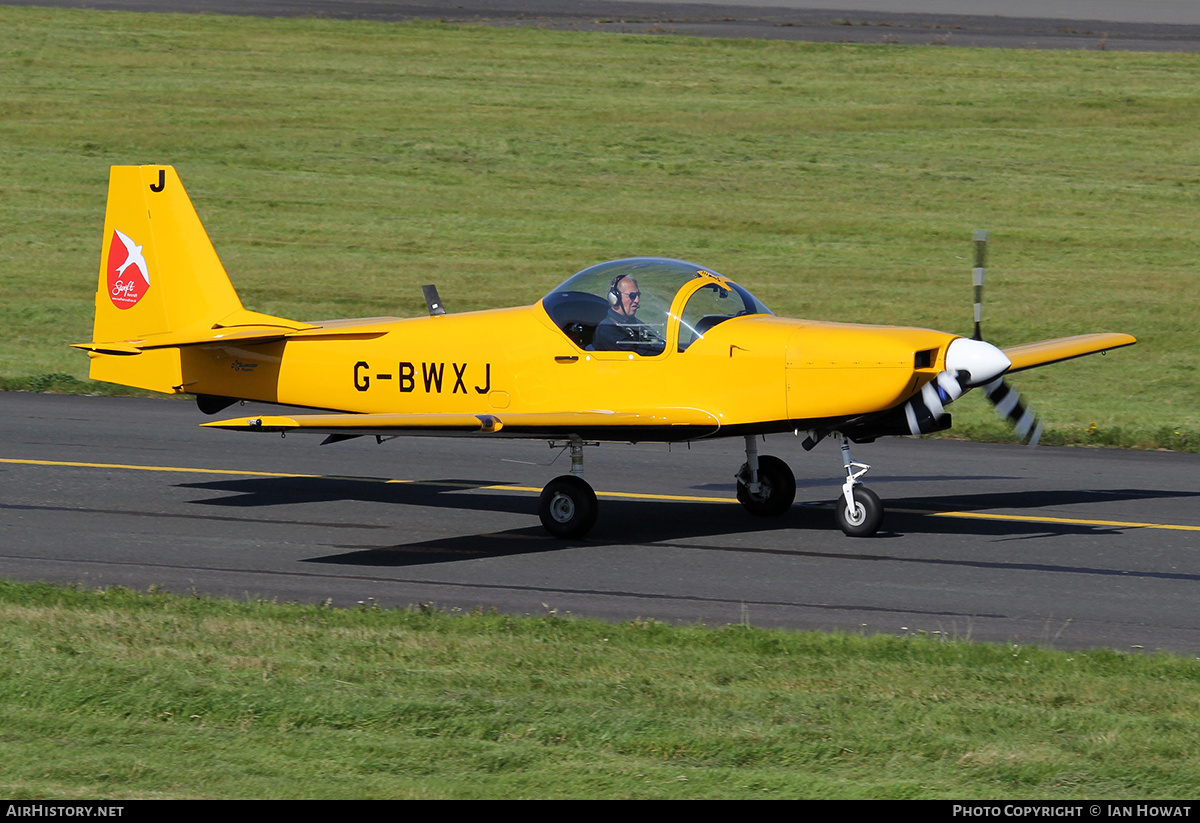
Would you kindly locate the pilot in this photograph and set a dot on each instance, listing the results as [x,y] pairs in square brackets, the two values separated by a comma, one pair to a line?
[620,330]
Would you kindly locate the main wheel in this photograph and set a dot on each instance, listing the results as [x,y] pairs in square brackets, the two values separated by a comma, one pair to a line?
[568,506]
[777,487]
[864,519]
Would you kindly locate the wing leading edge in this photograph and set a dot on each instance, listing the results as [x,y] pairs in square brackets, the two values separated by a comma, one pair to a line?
[1032,355]
[656,424]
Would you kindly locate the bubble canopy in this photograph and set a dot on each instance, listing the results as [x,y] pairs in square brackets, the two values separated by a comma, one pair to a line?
[581,303]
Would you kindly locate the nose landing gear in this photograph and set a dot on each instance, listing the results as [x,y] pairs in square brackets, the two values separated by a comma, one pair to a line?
[858,510]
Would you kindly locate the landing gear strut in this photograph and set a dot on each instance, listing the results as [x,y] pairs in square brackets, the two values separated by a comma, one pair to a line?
[568,505]
[765,485]
[859,511]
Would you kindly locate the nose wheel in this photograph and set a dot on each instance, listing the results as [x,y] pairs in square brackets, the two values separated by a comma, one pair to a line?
[862,518]
[859,512]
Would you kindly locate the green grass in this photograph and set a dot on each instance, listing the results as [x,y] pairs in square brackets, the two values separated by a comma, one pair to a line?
[113,694]
[340,165]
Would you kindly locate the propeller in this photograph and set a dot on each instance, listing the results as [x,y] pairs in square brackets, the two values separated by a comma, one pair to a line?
[970,363]
[973,363]
[1004,398]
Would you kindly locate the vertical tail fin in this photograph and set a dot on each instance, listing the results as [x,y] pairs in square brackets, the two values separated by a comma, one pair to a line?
[160,283]
[158,270]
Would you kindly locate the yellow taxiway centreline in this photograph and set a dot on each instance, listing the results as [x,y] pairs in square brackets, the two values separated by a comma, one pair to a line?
[240,472]
[627,495]
[1073,521]
[1024,518]
[131,467]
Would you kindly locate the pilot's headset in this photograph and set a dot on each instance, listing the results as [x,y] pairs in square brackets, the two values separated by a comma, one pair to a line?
[614,295]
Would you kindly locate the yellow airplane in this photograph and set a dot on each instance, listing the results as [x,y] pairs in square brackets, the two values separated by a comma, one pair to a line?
[641,349]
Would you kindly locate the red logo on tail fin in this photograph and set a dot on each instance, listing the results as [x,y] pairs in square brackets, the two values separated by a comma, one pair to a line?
[128,275]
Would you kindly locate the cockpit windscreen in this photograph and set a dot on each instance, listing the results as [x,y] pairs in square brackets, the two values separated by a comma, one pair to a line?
[625,304]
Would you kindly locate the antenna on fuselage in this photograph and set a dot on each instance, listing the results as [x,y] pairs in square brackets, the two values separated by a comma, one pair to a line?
[432,300]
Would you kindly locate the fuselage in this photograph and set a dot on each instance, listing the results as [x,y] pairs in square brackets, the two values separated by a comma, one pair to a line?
[757,372]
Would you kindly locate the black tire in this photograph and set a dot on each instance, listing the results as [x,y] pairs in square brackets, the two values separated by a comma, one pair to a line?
[778,487]
[866,517]
[568,506]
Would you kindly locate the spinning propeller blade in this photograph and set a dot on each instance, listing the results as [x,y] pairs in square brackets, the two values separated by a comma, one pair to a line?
[1007,402]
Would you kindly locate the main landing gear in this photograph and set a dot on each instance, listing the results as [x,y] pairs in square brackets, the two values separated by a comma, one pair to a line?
[766,487]
[568,505]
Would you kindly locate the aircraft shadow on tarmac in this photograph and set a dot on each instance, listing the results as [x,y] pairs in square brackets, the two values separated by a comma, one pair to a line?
[646,522]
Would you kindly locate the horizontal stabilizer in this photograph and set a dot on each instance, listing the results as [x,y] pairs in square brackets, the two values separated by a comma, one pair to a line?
[264,331]
[124,349]
[1032,355]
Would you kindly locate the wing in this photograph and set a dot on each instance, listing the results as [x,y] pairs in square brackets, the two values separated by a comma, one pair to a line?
[1032,355]
[660,424]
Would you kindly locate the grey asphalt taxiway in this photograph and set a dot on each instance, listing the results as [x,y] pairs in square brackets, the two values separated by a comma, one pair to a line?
[1066,547]
[1117,25]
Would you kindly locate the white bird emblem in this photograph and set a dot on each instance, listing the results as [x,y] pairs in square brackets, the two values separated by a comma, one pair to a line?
[133,256]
